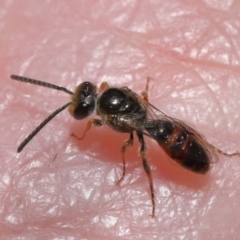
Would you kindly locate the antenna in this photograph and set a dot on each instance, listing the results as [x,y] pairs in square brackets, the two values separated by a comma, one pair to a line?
[40,126]
[40,83]
[51,116]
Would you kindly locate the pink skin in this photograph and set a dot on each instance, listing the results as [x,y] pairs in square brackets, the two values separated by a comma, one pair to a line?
[59,187]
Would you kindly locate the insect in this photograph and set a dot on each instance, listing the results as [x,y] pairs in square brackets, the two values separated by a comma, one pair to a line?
[127,112]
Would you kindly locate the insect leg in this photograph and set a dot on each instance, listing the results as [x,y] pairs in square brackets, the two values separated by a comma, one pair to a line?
[103,87]
[147,169]
[145,93]
[128,143]
[224,153]
[95,122]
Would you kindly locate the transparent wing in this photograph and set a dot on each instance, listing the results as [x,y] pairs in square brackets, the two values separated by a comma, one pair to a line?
[154,113]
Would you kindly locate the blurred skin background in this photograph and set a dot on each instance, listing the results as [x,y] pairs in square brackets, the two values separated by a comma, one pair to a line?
[60,188]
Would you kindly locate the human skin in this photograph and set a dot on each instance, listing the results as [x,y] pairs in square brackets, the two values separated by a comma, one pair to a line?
[61,188]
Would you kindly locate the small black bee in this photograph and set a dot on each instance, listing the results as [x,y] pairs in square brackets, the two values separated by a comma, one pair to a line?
[125,111]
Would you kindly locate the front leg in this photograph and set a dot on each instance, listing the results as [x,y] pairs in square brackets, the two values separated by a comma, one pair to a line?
[127,144]
[145,93]
[95,122]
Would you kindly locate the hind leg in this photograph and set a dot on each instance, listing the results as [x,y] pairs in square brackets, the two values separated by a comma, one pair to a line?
[147,169]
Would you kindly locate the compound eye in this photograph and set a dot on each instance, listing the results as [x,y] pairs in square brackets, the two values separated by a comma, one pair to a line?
[83,101]
[83,109]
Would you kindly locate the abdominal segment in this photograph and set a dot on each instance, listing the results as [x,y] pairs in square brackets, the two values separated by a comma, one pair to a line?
[180,144]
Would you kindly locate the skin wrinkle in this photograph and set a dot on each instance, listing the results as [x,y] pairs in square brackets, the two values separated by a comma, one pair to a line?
[63,42]
[223,33]
[210,91]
